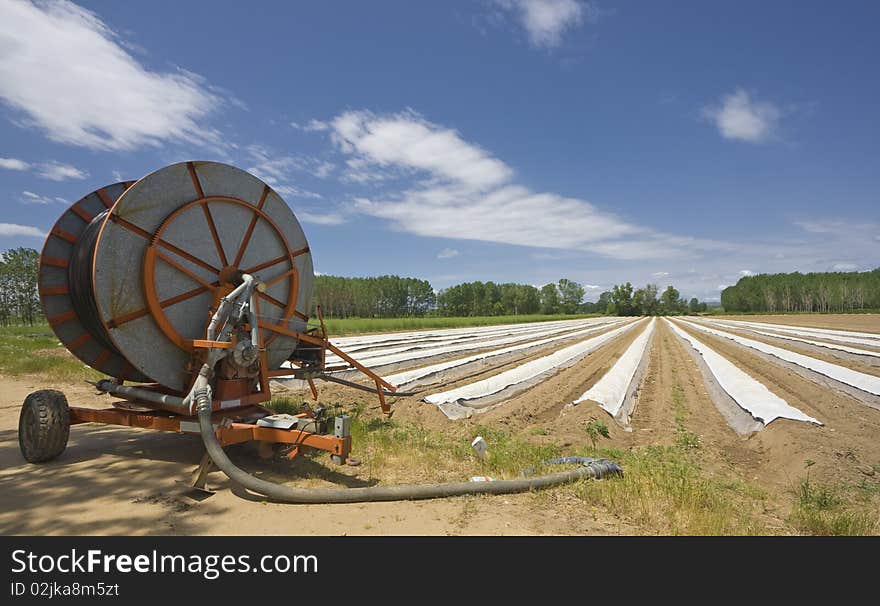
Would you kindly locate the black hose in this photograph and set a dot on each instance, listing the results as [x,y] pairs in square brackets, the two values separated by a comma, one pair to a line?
[403,492]
[82,292]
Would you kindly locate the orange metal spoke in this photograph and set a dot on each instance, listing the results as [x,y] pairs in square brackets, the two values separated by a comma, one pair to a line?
[250,229]
[272,300]
[182,253]
[119,320]
[105,199]
[102,358]
[184,296]
[195,179]
[81,213]
[280,277]
[210,219]
[266,264]
[131,227]
[182,269]
[62,318]
[64,235]
[55,262]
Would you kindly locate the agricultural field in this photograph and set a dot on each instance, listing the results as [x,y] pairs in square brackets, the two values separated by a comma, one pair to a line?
[722,424]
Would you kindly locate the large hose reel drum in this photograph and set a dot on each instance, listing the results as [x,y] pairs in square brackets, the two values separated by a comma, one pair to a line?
[130,273]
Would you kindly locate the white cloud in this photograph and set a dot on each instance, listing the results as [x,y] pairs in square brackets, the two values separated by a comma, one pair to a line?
[72,76]
[465,193]
[320,219]
[660,274]
[13,229]
[746,272]
[117,176]
[14,164]
[278,170]
[311,126]
[56,171]
[29,197]
[592,287]
[740,117]
[545,21]
[845,267]
[407,141]
[447,253]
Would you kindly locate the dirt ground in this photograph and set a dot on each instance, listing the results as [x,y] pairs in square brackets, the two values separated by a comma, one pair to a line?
[126,481]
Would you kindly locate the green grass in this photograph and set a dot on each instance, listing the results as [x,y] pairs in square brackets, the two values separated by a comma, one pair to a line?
[664,490]
[348,326]
[822,509]
[35,350]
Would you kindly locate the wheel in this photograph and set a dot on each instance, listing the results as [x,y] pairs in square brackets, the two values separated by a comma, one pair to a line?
[44,425]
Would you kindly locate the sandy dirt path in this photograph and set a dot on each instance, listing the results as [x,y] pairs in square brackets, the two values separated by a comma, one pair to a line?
[127,482]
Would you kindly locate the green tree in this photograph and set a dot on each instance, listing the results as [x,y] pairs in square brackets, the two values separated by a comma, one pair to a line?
[549,299]
[669,301]
[570,295]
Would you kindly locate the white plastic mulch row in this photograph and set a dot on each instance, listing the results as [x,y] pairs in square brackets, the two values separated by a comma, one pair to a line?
[839,336]
[379,359]
[411,378]
[441,332]
[853,378]
[464,340]
[750,394]
[422,341]
[791,337]
[610,391]
[524,373]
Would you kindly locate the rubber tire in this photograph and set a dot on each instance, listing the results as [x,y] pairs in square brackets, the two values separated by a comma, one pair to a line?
[43,426]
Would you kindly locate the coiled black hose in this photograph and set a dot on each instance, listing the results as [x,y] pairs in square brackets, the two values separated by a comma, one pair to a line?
[403,492]
[82,292]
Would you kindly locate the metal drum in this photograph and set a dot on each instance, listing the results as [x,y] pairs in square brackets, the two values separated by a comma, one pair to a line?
[130,274]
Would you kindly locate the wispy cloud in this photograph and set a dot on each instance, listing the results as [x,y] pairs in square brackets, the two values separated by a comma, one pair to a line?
[448,253]
[56,171]
[311,126]
[746,272]
[14,164]
[14,229]
[29,197]
[280,170]
[660,274]
[407,141]
[73,77]
[740,117]
[461,191]
[545,21]
[331,218]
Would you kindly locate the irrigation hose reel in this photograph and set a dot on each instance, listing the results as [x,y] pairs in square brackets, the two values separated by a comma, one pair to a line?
[193,284]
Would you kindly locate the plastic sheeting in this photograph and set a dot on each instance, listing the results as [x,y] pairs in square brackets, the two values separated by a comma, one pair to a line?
[610,391]
[839,336]
[853,378]
[365,353]
[379,360]
[524,373]
[791,337]
[411,378]
[751,395]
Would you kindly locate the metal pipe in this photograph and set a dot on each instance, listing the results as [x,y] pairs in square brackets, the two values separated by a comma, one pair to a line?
[163,401]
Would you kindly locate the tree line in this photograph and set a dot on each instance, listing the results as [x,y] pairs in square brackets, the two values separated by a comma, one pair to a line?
[624,300]
[812,292]
[19,298]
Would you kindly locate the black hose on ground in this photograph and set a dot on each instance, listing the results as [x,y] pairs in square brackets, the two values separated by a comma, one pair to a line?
[403,492]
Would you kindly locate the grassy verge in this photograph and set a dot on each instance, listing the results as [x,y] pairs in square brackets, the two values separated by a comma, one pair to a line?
[664,490]
[844,509]
[348,326]
[36,350]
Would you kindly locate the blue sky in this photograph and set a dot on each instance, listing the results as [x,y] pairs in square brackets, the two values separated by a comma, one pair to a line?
[687,143]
